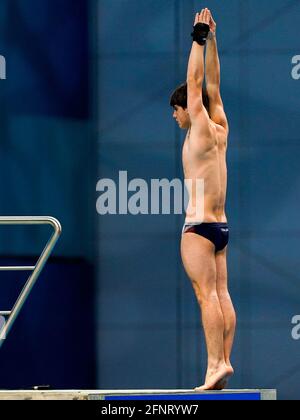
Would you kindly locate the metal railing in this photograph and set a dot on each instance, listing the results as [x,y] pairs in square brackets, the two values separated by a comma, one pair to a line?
[36,270]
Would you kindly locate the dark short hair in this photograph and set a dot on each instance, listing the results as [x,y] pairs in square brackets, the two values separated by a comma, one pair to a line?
[179,97]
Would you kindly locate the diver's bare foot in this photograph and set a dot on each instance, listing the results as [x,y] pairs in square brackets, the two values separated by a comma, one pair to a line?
[216,380]
[224,382]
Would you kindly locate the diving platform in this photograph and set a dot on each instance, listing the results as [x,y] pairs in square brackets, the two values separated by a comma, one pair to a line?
[141,395]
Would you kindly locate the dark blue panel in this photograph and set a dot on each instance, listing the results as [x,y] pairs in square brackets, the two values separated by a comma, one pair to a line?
[46,47]
[52,342]
[209,397]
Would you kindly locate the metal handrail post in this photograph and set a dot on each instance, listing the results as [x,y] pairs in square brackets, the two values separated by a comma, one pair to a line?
[36,270]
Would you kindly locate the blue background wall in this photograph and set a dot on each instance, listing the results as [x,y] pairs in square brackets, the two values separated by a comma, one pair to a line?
[47,167]
[86,96]
[148,320]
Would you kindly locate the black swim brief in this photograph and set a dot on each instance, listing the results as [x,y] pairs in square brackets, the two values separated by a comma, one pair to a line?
[217,233]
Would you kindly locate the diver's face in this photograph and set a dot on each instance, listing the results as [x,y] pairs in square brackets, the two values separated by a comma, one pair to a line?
[182,117]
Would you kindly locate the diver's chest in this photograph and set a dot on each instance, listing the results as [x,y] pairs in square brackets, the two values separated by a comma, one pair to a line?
[193,154]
